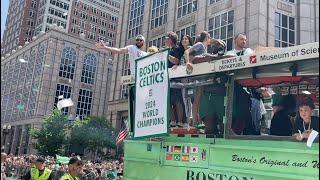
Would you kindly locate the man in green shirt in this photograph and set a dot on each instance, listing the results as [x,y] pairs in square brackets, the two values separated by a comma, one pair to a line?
[74,169]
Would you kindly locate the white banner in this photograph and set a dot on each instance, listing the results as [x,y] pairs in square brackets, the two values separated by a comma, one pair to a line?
[281,55]
[152,95]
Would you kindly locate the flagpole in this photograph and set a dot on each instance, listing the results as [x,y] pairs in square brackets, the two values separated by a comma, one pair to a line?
[117,149]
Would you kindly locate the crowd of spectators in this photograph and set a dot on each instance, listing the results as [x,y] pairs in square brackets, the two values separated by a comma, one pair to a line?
[16,167]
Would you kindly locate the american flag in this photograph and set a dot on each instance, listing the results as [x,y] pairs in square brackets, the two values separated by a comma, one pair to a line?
[123,133]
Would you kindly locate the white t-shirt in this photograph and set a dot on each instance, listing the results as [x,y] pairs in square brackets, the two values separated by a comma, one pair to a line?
[234,52]
[134,53]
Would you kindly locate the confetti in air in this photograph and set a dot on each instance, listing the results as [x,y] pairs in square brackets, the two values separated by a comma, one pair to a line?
[60,97]
[23,61]
[46,65]
[20,107]
[64,103]
[34,89]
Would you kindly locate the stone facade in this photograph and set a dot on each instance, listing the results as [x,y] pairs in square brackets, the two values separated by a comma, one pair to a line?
[256,18]
[29,90]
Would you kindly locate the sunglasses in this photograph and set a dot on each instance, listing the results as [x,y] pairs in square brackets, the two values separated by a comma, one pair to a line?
[139,40]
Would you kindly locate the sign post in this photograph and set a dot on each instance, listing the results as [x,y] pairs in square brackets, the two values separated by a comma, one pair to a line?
[152,95]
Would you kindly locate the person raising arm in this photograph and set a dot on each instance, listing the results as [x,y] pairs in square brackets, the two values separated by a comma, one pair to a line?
[134,51]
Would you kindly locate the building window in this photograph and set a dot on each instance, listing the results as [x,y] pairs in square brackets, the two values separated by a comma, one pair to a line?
[49,20]
[284,30]
[291,1]
[39,61]
[82,24]
[94,19]
[65,91]
[102,23]
[213,1]
[75,12]
[31,13]
[84,103]
[191,31]
[125,72]
[158,42]
[57,13]
[159,13]
[111,34]
[89,69]
[93,27]
[30,23]
[34,4]
[68,63]
[59,4]
[94,10]
[73,30]
[113,18]
[29,32]
[31,105]
[91,36]
[222,27]
[84,15]
[74,21]
[103,14]
[102,32]
[136,18]
[123,91]
[85,6]
[112,27]
[186,7]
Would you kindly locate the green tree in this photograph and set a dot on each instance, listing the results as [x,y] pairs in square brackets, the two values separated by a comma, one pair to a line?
[93,133]
[52,137]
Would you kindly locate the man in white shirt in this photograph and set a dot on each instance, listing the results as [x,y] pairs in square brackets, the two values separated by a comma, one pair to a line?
[134,51]
[240,42]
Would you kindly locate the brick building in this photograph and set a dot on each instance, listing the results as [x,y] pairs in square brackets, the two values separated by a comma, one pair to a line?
[96,19]
[20,24]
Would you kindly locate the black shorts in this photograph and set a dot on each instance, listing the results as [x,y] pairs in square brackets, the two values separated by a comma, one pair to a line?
[175,96]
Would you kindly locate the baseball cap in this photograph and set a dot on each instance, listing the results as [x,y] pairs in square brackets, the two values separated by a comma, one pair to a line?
[141,37]
[75,160]
[217,42]
[173,36]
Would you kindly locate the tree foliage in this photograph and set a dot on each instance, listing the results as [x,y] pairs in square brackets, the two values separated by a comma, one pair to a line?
[52,137]
[93,133]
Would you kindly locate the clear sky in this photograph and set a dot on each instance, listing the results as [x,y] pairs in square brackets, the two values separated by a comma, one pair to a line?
[4,12]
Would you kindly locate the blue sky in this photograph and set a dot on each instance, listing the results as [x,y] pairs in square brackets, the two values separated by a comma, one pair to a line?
[4,12]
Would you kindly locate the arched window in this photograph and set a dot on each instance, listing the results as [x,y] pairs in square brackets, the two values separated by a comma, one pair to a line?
[89,69]
[68,63]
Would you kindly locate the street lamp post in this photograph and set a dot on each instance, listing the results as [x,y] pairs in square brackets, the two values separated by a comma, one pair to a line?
[6,130]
